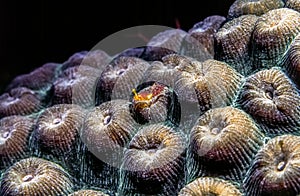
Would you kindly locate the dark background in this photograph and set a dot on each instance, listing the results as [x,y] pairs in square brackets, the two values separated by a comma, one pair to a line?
[32,34]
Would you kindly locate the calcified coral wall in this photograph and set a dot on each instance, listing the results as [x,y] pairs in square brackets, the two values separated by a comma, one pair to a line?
[211,110]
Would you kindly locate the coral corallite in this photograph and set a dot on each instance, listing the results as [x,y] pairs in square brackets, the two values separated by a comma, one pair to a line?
[273,33]
[20,101]
[291,61]
[214,82]
[272,100]
[58,128]
[35,176]
[154,162]
[210,186]
[232,43]
[223,143]
[15,132]
[107,130]
[276,168]
[119,78]
[76,85]
[255,7]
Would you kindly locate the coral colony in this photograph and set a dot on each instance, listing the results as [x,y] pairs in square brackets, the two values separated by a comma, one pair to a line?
[214,110]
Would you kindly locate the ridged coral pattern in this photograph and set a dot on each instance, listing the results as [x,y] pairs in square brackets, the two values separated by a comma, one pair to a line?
[214,110]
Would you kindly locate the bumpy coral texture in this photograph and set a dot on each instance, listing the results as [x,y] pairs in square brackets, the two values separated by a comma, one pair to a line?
[210,110]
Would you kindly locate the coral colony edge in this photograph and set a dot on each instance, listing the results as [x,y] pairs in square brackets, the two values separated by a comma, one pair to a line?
[214,110]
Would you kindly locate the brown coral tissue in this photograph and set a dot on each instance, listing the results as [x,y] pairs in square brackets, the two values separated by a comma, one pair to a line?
[272,100]
[223,143]
[275,169]
[213,109]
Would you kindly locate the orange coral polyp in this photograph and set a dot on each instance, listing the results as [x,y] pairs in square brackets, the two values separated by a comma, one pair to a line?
[142,96]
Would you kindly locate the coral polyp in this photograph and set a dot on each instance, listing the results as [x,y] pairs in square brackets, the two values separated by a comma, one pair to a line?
[119,78]
[291,61]
[95,58]
[169,40]
[210,186]
[214,83]
[275,170]
[255,7]
[57,129]
[38,79]
[223,143]
[76,85]
[293,4]
[20,101]
[273,33]
[199,41]
[153,162]
[107,129]
[232,43]
[15,132]
[35,176]
[272,100]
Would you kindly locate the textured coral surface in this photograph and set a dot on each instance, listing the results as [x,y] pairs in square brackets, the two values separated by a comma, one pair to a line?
[213,110]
